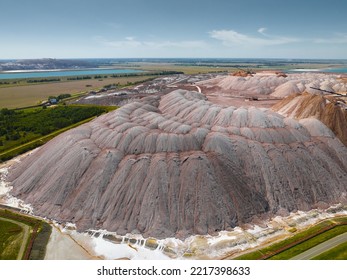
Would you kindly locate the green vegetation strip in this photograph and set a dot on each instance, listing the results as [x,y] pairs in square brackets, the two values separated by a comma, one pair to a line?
[10,239]
[24,130]
[5,83]
[11,236]
[11,153]
[337,253]
[310,243]
[300,242]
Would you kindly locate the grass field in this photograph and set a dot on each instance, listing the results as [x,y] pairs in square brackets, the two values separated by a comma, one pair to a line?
[28,95]
[299,242]
[217,67]
[186,69]
[22,237]
[337,253]
[11,239]
[302,247]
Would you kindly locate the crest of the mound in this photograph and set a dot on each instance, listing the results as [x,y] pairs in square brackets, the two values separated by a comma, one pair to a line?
[180,165]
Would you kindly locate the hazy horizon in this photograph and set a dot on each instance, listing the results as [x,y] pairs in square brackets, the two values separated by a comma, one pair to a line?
[226,59]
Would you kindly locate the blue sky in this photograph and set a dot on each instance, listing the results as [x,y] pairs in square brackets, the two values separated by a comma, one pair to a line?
[177,28]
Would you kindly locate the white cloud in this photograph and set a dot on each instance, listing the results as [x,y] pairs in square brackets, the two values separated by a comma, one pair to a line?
[128,42]
[338,38]
[231,38]
[262,30]
[132,42]
[176,44]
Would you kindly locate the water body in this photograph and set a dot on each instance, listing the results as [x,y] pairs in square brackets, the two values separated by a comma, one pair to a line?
[336,70]
[62,73]
[340,70]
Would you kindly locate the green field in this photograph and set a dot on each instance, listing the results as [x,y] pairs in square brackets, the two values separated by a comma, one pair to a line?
[337,253]
[22,237]
[314,241]
[215,67]
[11,239]
[186,69]
[23,94]
[24,130]
[299,242]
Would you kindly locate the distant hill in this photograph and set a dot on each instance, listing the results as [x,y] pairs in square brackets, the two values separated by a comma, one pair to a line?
[45,64]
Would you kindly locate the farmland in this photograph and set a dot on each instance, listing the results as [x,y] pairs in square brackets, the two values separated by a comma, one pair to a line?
[22,237]
[194,67]
[24,94]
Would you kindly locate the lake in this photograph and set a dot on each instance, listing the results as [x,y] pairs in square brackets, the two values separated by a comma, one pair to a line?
[336,70]
[324,70]
[62,73]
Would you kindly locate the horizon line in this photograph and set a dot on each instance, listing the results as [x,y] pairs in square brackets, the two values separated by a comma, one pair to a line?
[162,58]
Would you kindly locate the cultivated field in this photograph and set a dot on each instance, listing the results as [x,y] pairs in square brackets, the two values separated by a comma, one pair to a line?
[27,95]
[218,67]
[22,237]
[13,238]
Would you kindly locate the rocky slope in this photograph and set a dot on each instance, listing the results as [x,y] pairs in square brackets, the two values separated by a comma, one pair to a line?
[332,111]
[180,165]
[277,86]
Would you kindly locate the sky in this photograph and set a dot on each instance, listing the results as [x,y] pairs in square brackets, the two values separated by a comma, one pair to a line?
[171,29]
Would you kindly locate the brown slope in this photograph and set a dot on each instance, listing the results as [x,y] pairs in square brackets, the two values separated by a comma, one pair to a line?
[329,110]
[180,165]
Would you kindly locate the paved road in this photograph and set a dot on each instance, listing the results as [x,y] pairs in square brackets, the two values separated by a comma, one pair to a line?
[321,248]
[26,229]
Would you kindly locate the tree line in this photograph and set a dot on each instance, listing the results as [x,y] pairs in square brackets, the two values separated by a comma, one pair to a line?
[19,126]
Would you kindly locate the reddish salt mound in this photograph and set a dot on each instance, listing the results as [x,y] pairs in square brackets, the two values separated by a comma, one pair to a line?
[276,85]
[259,84]
[180,165]
[331,111]
[286,89]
